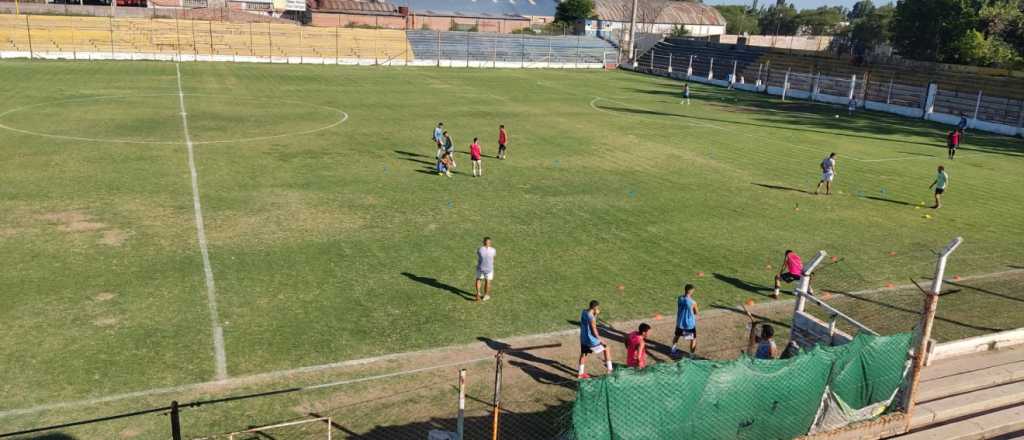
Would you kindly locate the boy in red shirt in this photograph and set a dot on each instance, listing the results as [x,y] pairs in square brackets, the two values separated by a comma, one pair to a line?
[792,271]
[636,347]
[954,141]
[502,141]
[474,155]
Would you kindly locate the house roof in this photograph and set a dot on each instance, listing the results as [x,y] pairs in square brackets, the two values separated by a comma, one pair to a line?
[482,8]
[659,11]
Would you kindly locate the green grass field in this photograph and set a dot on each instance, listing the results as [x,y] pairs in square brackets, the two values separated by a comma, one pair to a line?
[332,241]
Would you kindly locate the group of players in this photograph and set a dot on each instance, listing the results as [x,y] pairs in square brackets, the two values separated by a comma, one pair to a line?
[761,344]
[445,156]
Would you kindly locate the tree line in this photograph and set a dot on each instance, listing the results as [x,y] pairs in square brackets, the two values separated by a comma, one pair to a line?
[974,32]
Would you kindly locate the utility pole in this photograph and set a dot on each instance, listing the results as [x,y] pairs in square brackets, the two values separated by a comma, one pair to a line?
[632,35]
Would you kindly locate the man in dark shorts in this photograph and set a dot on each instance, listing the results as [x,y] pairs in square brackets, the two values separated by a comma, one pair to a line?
[953,141]
[940,184]
[590,341]
[792,271]
[502,141]
[686,320]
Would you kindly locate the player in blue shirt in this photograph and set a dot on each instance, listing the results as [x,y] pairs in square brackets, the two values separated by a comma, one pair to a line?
[686,320]
[590,340]
[439,135]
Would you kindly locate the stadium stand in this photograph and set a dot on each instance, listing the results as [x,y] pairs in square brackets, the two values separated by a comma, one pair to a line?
[472,46]
[63,35]
[991,96]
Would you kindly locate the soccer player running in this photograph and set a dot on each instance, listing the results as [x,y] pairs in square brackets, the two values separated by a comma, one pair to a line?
[953,141]
[792,270]
[686,94]
[476,158]
[590,340]
[502,142]
[940,184]
[449,148]
[962,125]
[485,268]
[636,347]
[828,172]
[439,135]
[686,320]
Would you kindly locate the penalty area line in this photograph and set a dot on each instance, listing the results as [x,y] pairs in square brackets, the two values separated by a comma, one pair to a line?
[220,357]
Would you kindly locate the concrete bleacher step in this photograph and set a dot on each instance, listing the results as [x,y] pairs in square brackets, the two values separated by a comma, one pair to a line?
[968,373]
[986,426]
[968,404]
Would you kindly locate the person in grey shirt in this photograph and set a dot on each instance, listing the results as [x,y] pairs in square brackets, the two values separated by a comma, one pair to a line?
[484,268]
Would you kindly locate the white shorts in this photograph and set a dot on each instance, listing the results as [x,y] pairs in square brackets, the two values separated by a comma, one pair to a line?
[599,348]
[827,176]
[485,275]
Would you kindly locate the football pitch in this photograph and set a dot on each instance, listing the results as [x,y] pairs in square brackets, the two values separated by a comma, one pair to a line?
[165,225]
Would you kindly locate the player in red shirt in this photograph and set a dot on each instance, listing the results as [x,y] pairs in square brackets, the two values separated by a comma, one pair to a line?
[474,155]
[954,142]
[636,347]
[502,141]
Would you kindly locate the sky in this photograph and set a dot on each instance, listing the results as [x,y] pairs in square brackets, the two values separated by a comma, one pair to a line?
[800,4]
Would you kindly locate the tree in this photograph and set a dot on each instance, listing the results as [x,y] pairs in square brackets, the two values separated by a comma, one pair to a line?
[975,49]
[861,9]
[739,20]
[929,30]
[871,30]
[680,31]
[825,20]
[779,20]
[570,11]
[1004,19]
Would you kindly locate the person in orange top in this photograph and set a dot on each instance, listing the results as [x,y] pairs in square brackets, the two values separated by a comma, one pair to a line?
[636,347]
[502,141]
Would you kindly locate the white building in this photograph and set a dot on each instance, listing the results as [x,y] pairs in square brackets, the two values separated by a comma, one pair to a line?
[654,17]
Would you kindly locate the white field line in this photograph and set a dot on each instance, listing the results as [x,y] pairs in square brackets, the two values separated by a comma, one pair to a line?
[719,127]
[241,380]
[342,118]
[220,358]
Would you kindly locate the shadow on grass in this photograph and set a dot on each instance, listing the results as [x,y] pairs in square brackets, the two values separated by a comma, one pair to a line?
[782,188]
[787,116]
[433,282]
[549,423]
[563,375]
[985,291]
[883,199]
[916,313]
[744,285]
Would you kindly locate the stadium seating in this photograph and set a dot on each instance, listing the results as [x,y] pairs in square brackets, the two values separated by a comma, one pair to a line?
[472,46]
[195,37]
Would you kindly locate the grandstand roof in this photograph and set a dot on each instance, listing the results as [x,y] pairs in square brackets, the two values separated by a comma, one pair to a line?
[482,8]
[363,7]
[668,12]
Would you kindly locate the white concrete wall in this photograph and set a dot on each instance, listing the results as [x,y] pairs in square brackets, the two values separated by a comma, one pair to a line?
[131,56]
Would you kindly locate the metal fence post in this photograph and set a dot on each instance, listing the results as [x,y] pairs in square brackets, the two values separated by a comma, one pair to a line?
[670,62]
[28,29]
[711,69]
[438,48]
[467,49]
[460,424]
[522,50]
[888,96]
[652,59]
[977,107]
[111,21]
[931,302]
[175,421]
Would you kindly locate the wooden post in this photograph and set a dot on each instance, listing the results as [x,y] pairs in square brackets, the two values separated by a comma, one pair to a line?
[460,424]
[28,29]
[931,302]
[497,395]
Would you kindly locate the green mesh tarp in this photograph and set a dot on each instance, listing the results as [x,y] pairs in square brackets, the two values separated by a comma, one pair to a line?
[742,399]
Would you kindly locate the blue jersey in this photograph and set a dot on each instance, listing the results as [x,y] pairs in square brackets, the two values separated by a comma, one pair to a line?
[685,318]
[587,337]
[438,134]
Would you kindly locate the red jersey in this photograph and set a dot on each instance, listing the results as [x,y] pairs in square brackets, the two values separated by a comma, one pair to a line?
[502,137]
[474,151]
[635,357]
[954,139]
